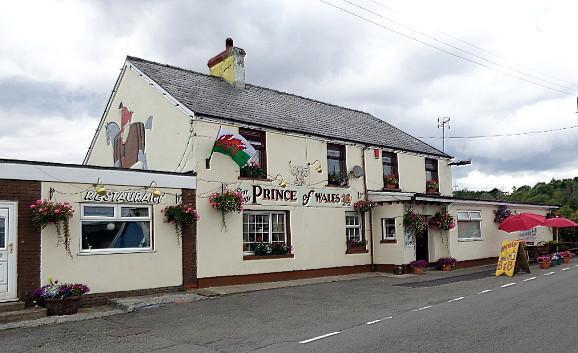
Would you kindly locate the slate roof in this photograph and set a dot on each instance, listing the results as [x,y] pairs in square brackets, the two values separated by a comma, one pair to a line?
[214,97]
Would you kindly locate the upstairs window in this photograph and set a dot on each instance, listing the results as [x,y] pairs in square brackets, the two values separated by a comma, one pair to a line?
[390,173]
[431,169]
[336,169]
[431,175]
[257,167]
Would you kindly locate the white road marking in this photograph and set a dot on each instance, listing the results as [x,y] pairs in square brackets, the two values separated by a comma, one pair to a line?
[424,308]
[485,291]
[507,285]
[373,322]
[455,299]
[566,269]
[549,273]
[575,265]
[320,337]
[530,279]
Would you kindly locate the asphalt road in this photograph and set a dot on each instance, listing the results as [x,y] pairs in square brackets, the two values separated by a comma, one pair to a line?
[475,314]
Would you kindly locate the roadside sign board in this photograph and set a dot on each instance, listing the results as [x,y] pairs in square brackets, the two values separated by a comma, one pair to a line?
[512,257]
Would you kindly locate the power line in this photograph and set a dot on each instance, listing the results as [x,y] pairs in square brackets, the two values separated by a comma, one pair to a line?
[497,56]
[443,50]
[457,48]
[503,135]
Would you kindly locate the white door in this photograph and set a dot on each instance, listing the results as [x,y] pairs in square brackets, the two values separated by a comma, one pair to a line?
[7,256]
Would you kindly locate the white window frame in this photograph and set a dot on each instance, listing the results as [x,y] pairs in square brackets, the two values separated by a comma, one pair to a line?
[117,217]
[469,216]
[384,229]
[270,236]
[357,226]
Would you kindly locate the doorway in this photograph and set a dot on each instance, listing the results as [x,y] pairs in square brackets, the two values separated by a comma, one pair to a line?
[7,253]
[421,246]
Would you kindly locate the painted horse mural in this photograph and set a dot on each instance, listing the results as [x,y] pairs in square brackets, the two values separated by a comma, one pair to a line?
[129,140]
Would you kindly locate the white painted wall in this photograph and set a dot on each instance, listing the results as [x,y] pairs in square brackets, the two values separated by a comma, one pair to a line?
[492,237]
[161,267]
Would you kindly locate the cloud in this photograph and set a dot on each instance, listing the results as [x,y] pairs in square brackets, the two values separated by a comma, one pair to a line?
[59,63]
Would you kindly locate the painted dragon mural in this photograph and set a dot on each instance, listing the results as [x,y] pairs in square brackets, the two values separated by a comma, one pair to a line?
[129,140]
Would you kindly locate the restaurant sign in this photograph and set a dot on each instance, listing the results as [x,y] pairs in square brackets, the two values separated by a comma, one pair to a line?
[304,197]
[124,197]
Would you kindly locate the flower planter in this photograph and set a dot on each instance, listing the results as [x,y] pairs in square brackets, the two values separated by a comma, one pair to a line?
[66,306]
[390,186]
[447,268]
[566,260]
[432,191]
[418,270]
[557,262]
[544,265]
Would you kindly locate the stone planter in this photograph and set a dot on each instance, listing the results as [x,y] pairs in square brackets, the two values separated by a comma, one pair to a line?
[66,306]
[544,265]
[566,260]
[418,270]
[447,268]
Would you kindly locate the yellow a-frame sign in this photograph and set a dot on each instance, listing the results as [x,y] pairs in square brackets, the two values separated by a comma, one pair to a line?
[512,256]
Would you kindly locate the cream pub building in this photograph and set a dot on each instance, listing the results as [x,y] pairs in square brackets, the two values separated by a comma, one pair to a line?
[318,159]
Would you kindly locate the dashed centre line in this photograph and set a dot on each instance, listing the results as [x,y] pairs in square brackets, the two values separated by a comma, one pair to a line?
[508,285]
[549,273]
[530,279]
[566,269]
[321,337]
[424,308]
[378,320]
[455,299]
[485,291]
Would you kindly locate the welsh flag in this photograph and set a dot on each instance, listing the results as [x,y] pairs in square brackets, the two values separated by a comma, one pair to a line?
[235,146]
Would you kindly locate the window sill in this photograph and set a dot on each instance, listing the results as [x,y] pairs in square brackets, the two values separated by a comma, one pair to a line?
[357,251]
[254,178]
[388,241]
[470,239]
[115,252]
[267,257]
[337,186]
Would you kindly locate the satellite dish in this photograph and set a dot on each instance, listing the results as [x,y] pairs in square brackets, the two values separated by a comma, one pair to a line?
[357,171]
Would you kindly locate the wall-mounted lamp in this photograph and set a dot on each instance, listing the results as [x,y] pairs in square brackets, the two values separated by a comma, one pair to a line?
[100,189]
[316,166]
[282,182]
[153,189]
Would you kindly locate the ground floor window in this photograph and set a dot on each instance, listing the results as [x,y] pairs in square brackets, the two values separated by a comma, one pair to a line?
[469,225]
[387,228]
[265,228]
[113,227]
[353,226]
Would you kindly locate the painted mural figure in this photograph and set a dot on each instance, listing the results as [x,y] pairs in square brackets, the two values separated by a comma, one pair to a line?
[128,140]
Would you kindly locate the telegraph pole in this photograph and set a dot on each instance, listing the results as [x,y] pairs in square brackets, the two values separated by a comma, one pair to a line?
[442,123]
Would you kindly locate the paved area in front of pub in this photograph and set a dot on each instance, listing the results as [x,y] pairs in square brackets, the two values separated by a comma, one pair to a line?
[473,313]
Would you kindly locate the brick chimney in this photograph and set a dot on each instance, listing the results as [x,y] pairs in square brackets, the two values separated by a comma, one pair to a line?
[229,65]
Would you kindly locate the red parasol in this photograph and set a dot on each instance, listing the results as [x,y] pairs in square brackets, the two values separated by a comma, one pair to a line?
[522,221]
[560,222]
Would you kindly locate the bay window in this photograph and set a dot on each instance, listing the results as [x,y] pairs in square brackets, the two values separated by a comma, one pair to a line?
[114,228]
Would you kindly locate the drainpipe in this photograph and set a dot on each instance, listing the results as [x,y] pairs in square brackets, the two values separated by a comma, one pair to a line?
[370,212]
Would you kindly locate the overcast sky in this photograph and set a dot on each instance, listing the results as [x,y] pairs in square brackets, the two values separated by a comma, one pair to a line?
[59,61]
